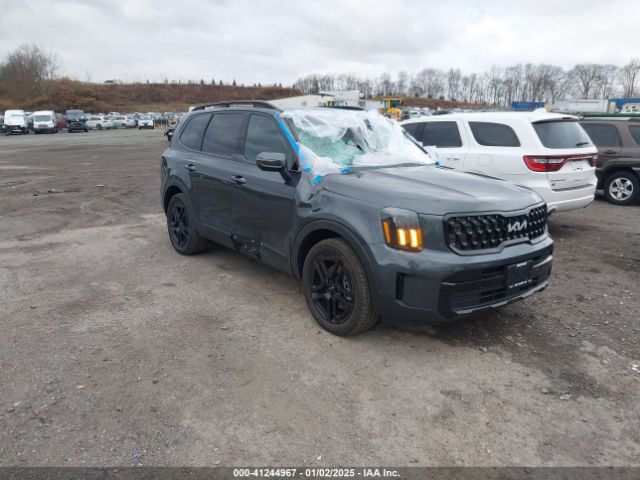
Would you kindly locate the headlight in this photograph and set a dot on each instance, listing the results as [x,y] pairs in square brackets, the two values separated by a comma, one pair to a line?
[402,229]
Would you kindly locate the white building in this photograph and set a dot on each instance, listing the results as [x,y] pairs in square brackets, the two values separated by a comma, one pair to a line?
[345,98]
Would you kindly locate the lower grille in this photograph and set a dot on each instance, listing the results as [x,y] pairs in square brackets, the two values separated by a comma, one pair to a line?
[490,231]
[476,289]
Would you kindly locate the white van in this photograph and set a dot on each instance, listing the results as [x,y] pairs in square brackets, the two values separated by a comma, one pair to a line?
[44,121]
[546,152]
[15,122]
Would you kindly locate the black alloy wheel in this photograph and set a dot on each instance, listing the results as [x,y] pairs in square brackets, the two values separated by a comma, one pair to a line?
[182,232]
[336,288]
[331,289]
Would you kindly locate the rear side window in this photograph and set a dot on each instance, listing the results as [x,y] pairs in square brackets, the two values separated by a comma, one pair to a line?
[634,130]
[263,135]
[562,134]
[191,136]
[223,134]
[413,129]
[494,134]
[603,135]
[441,134]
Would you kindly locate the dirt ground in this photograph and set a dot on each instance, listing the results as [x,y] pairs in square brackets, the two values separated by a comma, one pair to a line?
[117,351]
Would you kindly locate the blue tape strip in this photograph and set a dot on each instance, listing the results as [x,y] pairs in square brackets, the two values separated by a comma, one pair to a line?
[296,147]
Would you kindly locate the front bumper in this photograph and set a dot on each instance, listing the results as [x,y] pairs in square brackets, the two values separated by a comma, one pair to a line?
[437,286]
[14,128]
[44,129]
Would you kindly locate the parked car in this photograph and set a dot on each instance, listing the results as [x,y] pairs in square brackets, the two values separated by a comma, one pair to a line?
[129,122]
[122,121]
[44,121]
[144,121]
[118,121]
[29,118]
[15,122]
[95,122]
[349,203]
[545,152]
[61,121]
[618,167]
[76,121]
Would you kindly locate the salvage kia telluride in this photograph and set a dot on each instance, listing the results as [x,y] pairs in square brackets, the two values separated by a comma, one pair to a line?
[348,202]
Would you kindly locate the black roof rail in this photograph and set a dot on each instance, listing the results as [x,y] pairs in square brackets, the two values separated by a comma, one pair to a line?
[252,103]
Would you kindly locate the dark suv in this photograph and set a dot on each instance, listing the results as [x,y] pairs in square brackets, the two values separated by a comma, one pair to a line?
[618,166]
[349,203]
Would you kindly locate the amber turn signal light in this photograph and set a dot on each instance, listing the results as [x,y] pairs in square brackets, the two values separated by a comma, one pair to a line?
[402,229]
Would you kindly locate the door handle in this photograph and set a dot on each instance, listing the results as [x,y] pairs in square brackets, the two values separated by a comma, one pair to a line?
[452,158]
[191,167]
[610,152]
[240,180]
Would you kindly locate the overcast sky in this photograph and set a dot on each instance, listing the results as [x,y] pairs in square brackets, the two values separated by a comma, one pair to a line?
[281,40]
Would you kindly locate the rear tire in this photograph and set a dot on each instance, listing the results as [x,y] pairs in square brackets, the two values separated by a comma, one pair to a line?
[337,289]
[622,188]
[184,237]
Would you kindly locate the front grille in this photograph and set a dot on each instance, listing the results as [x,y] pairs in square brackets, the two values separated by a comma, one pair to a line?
[490,231]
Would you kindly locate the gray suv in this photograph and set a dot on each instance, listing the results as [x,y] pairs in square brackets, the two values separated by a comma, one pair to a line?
[346,201]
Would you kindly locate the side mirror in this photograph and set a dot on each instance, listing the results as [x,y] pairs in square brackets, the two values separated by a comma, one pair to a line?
[273,162]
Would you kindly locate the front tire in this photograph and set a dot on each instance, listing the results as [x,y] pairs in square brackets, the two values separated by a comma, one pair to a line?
[622,188]
[337,289]
[184,237]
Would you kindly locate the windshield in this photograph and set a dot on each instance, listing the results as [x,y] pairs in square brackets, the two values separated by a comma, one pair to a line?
[143,117]
[42,118]
[562,134]
[337,140]
[74,115]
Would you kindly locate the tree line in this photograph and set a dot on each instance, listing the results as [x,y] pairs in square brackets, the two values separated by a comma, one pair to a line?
[496,86]
[29,73]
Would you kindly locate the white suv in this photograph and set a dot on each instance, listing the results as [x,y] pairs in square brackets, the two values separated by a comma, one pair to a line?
[546,152]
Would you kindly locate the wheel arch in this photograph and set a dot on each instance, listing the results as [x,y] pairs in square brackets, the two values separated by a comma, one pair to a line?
[169,192]
[621,168]
[320,230]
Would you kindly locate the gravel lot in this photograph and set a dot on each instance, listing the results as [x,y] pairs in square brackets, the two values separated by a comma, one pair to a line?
[117,351]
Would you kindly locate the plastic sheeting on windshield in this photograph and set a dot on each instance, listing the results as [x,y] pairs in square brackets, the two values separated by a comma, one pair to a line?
[334,140]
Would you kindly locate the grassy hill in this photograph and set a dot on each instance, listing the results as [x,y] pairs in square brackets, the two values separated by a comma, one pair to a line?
[63,94]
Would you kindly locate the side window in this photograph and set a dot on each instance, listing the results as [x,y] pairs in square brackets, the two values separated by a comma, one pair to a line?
[223,134]
[603,135]
[191,136]
[634,130]
[441,134]
[494,134]
[263,135]
[413,129]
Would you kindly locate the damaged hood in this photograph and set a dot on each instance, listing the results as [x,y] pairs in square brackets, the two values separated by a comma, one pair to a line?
[430,190]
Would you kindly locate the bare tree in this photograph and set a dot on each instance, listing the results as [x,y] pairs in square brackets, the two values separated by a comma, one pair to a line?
[402,84]
[606,81]
[28,72]
[431,81]
[385,84]
[454,77]
[629,76]
[585,75]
